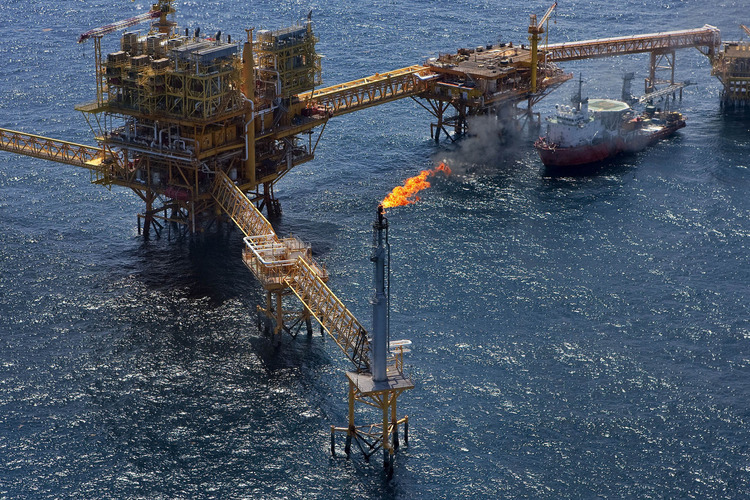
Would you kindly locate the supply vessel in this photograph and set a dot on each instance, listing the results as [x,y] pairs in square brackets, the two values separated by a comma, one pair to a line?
[596,129]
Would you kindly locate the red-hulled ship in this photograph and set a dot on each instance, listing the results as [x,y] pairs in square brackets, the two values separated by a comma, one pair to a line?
[598,129]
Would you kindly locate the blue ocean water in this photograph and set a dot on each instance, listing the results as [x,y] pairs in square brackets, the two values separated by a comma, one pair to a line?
[574,337]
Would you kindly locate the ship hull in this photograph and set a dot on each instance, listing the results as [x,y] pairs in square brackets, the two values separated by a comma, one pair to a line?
[555,156]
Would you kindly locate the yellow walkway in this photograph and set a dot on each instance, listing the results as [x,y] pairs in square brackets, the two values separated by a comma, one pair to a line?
[287,264]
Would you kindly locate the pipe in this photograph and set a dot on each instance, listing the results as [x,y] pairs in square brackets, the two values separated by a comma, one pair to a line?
[192,214]
[249,159]
[278,83]
[248,122]
[248,79]
[152,152]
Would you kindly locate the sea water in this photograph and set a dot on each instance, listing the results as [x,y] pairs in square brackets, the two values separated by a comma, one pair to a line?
[573,336]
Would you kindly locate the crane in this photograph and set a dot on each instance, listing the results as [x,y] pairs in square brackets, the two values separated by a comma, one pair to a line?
[158,11]
[185,115]
[747,30]
[536,29]
[103,30]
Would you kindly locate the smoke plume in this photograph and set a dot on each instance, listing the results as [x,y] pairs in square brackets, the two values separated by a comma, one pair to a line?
[487,142]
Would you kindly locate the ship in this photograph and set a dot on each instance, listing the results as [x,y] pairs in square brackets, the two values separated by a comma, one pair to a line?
[594,130]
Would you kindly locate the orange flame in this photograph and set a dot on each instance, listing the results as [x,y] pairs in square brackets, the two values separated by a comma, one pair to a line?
[407,194]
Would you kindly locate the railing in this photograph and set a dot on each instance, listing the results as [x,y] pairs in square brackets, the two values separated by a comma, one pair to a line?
[241,210]
[287,263]
[365,92]
[267,256]
[51,149]
[331,313]
[707,37]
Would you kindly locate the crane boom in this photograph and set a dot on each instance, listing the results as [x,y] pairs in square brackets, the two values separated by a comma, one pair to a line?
[536,29]
[747,30]
[546,15]
[152,14]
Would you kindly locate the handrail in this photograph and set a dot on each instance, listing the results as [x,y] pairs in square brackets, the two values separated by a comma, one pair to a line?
[707,36]
[56,150]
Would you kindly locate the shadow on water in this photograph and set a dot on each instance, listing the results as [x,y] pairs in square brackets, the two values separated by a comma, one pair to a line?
[318,234]
[609,167]
[207,265]
[734,125]
[192,297]
[185,385]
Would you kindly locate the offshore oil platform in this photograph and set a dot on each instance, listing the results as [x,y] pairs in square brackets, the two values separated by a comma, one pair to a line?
[173,108]
[732,67]
[202,128]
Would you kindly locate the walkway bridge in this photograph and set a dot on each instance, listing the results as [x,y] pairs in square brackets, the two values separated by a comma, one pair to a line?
[661,46]
[285,266]
[706,39]
[370,91]
[69,153]
[432,82]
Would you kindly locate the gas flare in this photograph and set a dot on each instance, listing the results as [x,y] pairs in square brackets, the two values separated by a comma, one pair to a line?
[407,194]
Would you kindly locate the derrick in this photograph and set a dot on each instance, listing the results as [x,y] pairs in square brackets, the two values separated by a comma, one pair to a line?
[535,30]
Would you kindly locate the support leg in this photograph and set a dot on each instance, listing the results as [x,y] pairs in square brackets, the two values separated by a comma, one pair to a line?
[269,310]
[352,428]
[147,221]
[387,450]
[406,430]
[308,323]
[394,423]
[279,314]
[651,73]
[273,207]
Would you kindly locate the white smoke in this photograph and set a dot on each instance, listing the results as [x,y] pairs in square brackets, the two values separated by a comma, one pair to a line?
[488,140]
